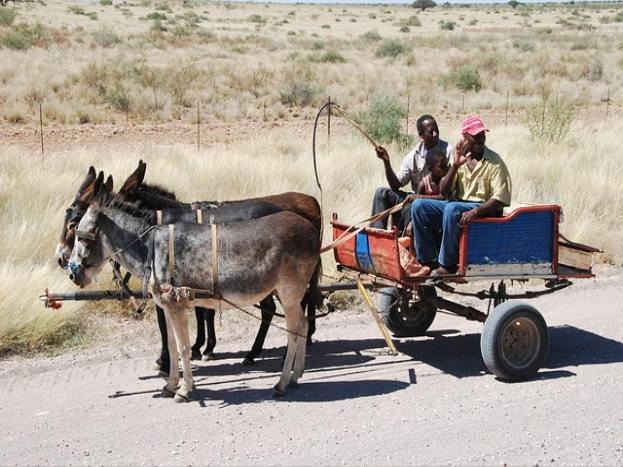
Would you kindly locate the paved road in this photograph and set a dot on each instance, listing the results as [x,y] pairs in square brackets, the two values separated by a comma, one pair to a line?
[433,404]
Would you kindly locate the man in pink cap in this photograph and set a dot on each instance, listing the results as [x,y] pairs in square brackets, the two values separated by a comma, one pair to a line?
[477,185]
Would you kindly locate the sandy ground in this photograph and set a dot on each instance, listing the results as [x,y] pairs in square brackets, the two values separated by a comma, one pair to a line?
[433,404]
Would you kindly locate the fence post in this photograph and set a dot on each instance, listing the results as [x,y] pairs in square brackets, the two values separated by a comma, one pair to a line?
[41,128]
[198,129]
[506,115]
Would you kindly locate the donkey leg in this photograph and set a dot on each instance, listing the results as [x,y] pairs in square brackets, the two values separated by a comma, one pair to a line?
[163,362]
[174,374]
[268,308]
[180,327]
[201,334]
[208,353]
[299,326]
[296,326]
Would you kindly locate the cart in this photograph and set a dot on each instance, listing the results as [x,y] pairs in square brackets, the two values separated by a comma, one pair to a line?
[522,245]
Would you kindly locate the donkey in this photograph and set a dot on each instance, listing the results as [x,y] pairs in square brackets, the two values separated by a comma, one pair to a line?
[153,197]
[239,263]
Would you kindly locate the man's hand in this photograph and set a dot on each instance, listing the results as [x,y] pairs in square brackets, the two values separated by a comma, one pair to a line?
[460,153]
[381,153]
[469,215]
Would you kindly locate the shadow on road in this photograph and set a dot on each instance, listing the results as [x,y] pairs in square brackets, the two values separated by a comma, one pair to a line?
[447,350]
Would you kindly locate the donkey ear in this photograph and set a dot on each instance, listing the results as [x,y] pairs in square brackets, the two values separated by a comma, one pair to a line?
[135,180]
[109,184]
[89,179]
[87,194]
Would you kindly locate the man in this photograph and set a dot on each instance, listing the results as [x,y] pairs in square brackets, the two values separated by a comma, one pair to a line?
[412,169]
[477,185]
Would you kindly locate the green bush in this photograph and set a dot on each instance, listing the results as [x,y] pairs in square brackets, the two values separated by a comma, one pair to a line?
[447,25]
[392,48]
[384,119]
[105,37]
[24,36]
[550,121]
[105,2]
[331,56]
[405,29]
[301,93]
[7,16]
[524,45]
[371,36]
[465,78]
[257,19]
[118,98]
[412,21]
[156,16]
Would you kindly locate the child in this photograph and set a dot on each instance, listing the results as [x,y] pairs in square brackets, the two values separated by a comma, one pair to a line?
[437,164]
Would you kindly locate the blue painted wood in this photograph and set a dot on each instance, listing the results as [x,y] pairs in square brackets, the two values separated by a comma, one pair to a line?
[525,239]
[362,250]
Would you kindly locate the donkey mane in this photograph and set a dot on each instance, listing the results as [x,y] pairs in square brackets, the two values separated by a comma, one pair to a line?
[157,190]
[132,208]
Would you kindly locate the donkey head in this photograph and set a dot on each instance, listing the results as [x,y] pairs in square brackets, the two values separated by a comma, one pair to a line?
[74,213]
[89,253]
[81,202]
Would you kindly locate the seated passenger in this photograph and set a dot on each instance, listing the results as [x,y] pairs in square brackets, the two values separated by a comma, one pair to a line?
[428,188]
[412,170]
[478,184]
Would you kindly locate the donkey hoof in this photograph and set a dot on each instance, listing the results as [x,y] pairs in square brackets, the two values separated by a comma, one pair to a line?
[195,355]
[248,361]
[207,357]
[167,393]
[278,392]
[179,398]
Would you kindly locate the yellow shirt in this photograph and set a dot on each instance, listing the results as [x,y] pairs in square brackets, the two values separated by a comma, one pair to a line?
[489,179]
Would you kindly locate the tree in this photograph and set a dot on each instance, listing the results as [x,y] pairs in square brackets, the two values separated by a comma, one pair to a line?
[513,3]
[423,4]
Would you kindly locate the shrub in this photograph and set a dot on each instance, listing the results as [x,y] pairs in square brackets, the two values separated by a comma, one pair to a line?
[157,16]
[550,122]
[465,78]
[447,25]
[299,93]
[405,29]
[524,45]
[371,36]
[392,48]
[106,37]
[383,121]
[105,2]
[118,98]
[331,56]
[257,19]
[593,70]
[411,21]
[24,36]
[7,16]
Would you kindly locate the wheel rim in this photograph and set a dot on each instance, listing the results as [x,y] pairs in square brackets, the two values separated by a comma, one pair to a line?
[520,343]
[412,312]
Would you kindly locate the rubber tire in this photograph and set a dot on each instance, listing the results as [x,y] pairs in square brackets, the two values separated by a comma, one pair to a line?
[390,309]
[491,341]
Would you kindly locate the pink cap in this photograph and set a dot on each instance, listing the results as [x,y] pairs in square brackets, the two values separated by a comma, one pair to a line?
[473,125]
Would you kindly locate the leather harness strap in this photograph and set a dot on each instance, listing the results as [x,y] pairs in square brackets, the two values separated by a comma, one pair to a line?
[158,217]
[172,253]
[214,255]
[199,216]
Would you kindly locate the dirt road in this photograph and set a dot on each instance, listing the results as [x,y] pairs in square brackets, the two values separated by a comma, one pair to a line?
[433,404]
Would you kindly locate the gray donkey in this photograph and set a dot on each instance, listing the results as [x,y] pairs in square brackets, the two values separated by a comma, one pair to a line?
[238,263]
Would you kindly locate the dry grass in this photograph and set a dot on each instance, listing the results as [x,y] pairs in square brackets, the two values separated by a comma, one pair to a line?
[158,60]
[583,175]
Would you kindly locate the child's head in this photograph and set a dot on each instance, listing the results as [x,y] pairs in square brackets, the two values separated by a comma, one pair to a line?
[437,162]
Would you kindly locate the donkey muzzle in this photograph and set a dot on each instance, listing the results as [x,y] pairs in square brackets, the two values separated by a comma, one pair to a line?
[76,273]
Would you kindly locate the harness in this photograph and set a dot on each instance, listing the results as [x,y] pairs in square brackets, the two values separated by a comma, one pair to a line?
[171,252]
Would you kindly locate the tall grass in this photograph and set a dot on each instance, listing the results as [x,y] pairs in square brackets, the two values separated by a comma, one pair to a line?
[580,174]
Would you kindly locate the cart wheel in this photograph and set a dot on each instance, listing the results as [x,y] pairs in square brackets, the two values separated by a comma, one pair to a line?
[514,341]
[406,314]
